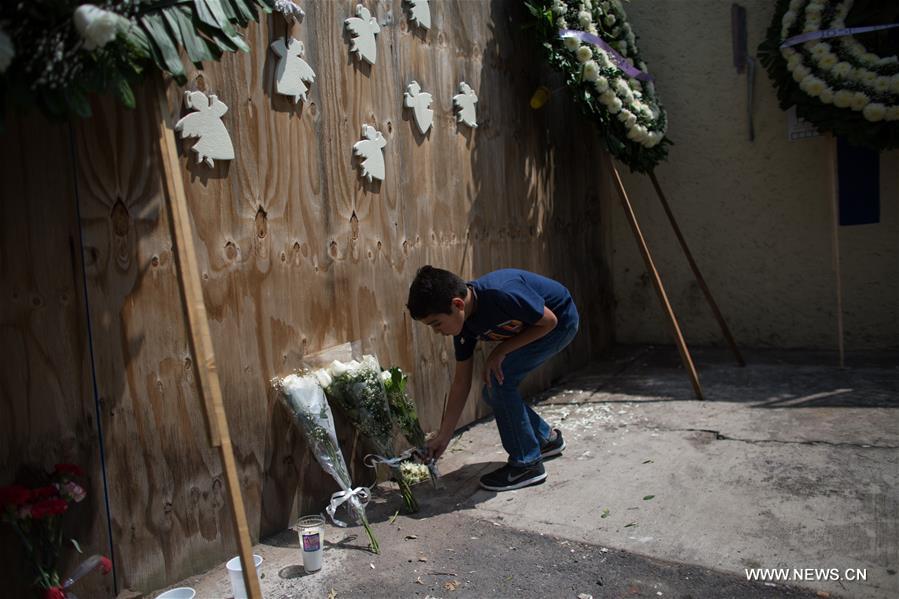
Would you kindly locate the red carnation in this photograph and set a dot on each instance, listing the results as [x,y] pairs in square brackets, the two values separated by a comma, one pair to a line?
[44,492]
[14,495]
[69,469]
[54,593]
[105,565]
[49,507]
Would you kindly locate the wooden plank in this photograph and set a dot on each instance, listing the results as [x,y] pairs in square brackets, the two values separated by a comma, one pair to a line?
[47,411]
[200,341]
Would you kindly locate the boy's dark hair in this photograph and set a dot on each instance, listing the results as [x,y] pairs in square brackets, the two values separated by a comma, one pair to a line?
[432,292]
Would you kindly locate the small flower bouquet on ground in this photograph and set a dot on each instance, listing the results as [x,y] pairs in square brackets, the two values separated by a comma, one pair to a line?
[35,515]
[405,415]
[304,398]
[358,389]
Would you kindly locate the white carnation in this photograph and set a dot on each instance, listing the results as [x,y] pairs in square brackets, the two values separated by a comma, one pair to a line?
[603,58]
[867,77]
[584,18]
[615,106]
[841,69]
[625,114]
[812,85]
[386,376]
[894,84]
[828,61]
[800,73]
[591,70]
[584,53]
[562,23]
[859,101]
[826,95]
[610,20]
[559,7]
[874,112]
[608,97]
[788,19]
[97,27]
[591,28]
[842,98]
[601,84]
[571,43]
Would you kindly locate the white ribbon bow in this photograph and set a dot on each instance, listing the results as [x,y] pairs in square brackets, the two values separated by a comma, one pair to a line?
[340,497]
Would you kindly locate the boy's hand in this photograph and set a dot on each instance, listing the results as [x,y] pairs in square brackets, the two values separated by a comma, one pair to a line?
[437,446]
[494,366]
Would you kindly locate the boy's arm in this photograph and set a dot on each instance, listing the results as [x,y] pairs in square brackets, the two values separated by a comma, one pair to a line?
[454,404]
[537,330]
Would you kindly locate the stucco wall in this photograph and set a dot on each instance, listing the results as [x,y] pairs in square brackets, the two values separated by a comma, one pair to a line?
[757,215]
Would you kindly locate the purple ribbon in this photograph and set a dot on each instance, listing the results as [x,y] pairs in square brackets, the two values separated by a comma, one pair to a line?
[829,33]
[617,58]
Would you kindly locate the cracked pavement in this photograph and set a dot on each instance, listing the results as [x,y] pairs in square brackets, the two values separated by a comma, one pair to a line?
[789,463]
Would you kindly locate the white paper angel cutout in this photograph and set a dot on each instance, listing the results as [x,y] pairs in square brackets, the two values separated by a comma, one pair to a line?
[464,101]
[371,150]
[206,123]
[363,27]
[289,9]
[420,13]
[420,103]
[292,72]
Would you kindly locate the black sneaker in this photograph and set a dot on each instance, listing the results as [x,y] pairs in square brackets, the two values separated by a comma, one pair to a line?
[511,477]
[555,446]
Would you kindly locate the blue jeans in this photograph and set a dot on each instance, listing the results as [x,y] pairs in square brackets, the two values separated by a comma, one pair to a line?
[521,430]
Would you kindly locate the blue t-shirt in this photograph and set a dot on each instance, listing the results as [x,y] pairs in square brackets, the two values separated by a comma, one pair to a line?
[507,302]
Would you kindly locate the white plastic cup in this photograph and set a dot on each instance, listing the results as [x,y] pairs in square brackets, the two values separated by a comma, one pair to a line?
[178,593]
[312,540]
[236,575]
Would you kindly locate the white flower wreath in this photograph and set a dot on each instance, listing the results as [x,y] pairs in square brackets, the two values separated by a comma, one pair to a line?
[595,47]
[835,81]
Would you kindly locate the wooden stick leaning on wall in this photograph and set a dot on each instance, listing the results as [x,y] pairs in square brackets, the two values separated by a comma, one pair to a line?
[656,281]
[835,222]
[198,334]
[695,268]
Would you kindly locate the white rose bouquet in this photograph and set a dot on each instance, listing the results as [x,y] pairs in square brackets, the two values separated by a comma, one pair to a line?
[305,400]
[358,390]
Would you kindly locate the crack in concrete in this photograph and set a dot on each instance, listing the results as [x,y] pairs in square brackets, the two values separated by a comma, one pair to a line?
[720,437]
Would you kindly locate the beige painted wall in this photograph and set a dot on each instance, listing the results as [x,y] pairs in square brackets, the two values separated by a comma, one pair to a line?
[757,215]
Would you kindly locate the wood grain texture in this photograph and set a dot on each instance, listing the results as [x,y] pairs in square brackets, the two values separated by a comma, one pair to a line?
[297,253]
[47,411]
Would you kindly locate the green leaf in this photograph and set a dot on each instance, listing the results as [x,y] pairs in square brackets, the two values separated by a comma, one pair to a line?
[125,93]
[647,461]
[78,103]
[648,497]
[605,513]
[630,525]
[196,47]
[154,24]
[218,11]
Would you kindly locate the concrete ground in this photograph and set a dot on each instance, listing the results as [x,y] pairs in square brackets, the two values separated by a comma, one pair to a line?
[789,463]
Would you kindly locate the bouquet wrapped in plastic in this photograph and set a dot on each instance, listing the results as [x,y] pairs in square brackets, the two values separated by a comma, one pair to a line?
[358,389]
[405,415]
[304,398]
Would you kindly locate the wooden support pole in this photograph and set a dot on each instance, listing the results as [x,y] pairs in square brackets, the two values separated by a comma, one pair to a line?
[695,268]
[198,334]
[835,221]
[657,282]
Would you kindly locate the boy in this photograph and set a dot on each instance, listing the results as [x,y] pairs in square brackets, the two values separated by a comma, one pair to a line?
[532,318]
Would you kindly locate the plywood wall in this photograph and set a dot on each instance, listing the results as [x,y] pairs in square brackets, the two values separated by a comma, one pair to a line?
[298,254]
[47,411]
